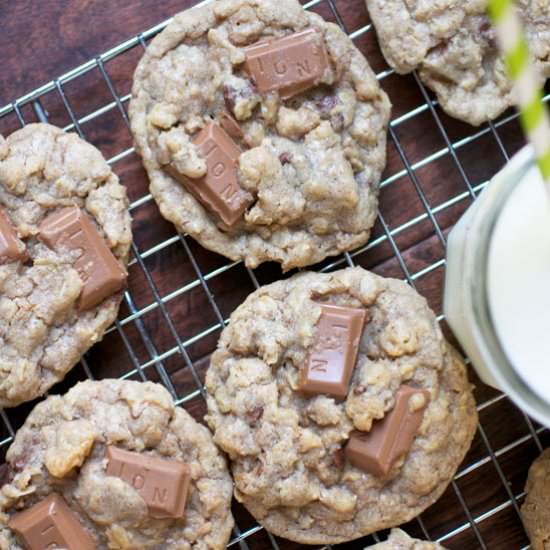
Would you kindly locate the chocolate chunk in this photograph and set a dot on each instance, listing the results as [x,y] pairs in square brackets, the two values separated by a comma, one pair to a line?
[72,229]
[51,524]
[285,158]
[291,65]
[219,191]
[254,415]
[331,361]
[488,32]
[485,26]
[326,105]
[11,248]
[391,438]
[338,458]
[163,484]
[231,126]
[229,98]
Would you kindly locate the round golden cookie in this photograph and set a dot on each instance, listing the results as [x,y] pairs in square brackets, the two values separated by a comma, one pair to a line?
[536,508]
[399,540]
[290,451]
[298,164]
[62,452]
[51,313]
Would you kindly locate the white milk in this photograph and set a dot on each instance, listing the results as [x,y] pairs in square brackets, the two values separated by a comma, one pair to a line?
[518,280]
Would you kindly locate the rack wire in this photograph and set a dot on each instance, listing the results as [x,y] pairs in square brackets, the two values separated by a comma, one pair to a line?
[497,465]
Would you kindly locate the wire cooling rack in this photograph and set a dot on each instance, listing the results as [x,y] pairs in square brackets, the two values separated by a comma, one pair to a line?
[180,296]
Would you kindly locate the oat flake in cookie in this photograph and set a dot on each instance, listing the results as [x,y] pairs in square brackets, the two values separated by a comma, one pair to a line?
[536,508]
[127,467]
[65,238]
[263,131]
[399,540]
[453,46]
[289,449]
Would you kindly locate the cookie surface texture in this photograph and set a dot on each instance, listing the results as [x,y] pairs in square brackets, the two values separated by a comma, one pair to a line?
[453,46]
[62,449]
[287,448]
[254,166]
[45,323]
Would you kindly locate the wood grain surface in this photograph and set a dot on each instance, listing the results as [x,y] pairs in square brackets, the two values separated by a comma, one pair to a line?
[41,40]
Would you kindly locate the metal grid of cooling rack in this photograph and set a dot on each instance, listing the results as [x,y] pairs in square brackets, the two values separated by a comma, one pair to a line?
[244,538]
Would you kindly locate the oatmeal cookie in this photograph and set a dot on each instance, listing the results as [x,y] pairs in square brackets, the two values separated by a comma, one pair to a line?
[290,449]
[536,508]
[63,450]
[263,131]
[66,236]
[453,46]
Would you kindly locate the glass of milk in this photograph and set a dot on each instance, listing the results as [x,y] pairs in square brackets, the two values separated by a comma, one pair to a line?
[497,287]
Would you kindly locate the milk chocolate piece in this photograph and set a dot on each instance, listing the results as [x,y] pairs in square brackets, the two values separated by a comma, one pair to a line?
[391,438]
[231,126]
[219,190]
[331,361]
[11,249]
[163,484]
[51,525]
[291,64]
[71,228]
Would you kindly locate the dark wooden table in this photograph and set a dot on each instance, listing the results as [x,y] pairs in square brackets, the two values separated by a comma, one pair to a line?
[181,293]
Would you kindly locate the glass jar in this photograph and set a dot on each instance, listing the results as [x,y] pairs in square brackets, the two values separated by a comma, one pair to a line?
[466,297]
